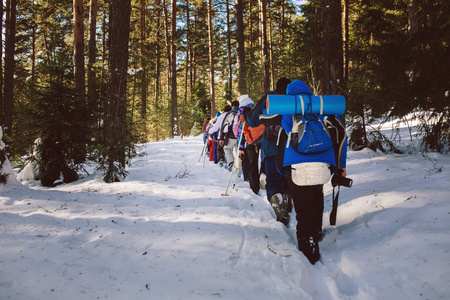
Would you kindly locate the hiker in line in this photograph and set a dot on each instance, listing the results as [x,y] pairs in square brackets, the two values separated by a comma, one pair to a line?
[307,173]
[249,146]
[276,189]
[206,127]
[210,141]
[214,132]
[227,139]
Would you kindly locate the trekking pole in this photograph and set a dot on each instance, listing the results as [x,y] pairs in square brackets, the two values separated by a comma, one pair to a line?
[204,160]
[234,163]
[237,173]
[204,144]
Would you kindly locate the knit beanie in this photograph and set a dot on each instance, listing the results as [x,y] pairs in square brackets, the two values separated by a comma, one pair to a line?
[244,100]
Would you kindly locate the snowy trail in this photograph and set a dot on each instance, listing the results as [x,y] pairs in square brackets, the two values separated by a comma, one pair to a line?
[167,233]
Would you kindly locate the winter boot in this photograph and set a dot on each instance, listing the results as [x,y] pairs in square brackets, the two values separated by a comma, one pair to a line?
[262,181]
[280,209]
[230,166]
[221,163]
[310,248]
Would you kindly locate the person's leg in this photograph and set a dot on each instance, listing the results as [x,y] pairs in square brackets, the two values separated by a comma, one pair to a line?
[229,155]
[253,172]
[262,175]
[216,160]
[211,152]
[220,154]
[245,167]
[274,180]
[308,204]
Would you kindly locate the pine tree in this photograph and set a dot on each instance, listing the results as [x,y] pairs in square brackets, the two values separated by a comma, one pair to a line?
[116,126]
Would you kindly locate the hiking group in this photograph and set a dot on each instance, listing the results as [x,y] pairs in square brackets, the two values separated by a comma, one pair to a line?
[299,153]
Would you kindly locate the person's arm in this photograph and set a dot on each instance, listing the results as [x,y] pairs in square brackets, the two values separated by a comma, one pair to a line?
[252,118]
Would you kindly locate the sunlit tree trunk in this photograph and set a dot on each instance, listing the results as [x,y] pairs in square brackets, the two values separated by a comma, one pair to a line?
[264,57]
[92,50]
[143,58]
[230,61]
[174,96]
[168,44]
[240,44]
[158,64]
[1,67]
[211,59]
[10,35]
[188,53]
[271,58]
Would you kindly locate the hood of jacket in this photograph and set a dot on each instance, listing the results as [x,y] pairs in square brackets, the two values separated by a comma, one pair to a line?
[298,87]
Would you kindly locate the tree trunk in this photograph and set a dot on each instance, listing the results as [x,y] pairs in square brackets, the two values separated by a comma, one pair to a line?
[188,54]
[103,84]
[158,64]
[272,67]
[240,44]
[251,46]
[168,47]
[115,122]
[282,34]
[211,60]
[78,50]
[264,57]
[332,46]
[230,62]
[346,40]
[1,68]
[143,58]
[174,104]
[92,55]
[10,35]
[194,54]
[33,47]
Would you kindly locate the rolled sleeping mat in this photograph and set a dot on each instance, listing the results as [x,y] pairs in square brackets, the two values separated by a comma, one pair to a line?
[292,104]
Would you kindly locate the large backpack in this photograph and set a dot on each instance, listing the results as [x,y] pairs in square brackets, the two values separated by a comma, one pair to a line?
[226,131]
[253,135]
[310,133]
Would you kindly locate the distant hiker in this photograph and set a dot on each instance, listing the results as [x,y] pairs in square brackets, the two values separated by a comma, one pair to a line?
[208,139]
[276,189]
[227,139]
[307,173]
[250,143]
[206,127]
[215,130]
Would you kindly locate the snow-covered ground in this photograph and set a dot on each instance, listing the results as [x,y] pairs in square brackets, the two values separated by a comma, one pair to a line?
[167,233]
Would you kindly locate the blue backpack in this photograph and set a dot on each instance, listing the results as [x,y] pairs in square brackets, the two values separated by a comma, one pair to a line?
[309,134]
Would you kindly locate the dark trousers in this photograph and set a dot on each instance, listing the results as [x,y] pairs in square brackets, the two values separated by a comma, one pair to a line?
[219,153]
[251,159]
[274,180]
[308,203]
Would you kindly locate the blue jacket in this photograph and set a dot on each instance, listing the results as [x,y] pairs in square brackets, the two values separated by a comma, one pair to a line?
[293,157]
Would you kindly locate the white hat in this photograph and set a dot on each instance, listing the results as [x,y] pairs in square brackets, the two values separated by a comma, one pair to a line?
[244,100]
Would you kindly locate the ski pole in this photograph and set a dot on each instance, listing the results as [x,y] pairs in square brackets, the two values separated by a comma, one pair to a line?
[234,163]
[204,144]
[237,173]
[204,160]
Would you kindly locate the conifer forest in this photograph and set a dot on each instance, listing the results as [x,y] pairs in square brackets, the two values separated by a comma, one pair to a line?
[90,79]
